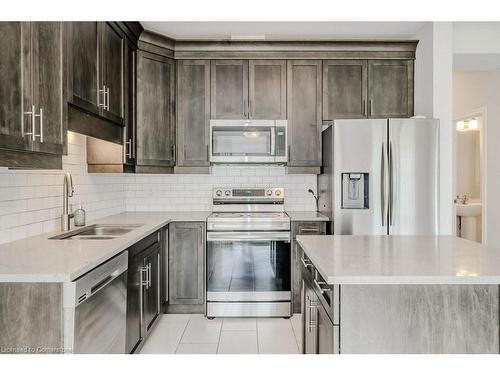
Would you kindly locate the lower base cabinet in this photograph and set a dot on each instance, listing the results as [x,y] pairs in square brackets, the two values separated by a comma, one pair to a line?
[186,271]
[301,228]
[320,335]
[143,290]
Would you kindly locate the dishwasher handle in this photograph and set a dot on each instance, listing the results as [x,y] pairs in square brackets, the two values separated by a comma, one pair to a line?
[98,278]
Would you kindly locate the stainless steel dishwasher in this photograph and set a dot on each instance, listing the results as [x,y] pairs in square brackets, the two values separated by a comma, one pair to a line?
[100,310]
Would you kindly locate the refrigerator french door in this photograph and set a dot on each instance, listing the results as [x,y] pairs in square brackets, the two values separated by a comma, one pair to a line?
[381,176]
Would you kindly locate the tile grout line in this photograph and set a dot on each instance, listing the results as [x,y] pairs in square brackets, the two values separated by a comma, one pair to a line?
[294,334]
[183,332]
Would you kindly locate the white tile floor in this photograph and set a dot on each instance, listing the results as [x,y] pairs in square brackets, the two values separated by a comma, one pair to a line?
[195,334]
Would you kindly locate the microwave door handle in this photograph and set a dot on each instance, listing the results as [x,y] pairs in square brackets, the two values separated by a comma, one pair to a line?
[273,141]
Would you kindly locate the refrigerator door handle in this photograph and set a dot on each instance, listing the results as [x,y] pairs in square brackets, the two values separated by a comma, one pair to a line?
[383,203]
[391,185]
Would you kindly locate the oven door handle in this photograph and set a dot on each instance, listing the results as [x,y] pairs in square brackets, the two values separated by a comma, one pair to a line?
[248,236]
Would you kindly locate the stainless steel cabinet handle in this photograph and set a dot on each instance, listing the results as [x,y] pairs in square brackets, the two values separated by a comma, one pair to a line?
[129,148]
[41,125]
[288,155]
[391,186]
[250,112]
[318,285]
[364,107]
[143,276]
[208,152]
[304,263]
[158,288]
[149,275]
[103,92]
[312,322]
[370,107]
[107,99]
[310,229]
[32,115]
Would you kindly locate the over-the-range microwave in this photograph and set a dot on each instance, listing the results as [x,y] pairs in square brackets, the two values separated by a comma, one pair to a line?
[248,141]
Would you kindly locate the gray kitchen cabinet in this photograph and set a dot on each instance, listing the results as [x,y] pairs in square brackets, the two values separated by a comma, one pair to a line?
[155,129]
[32,105]
[97,72]
[301,228]
[344,89]
[304,113]
[129,104]
[15,75]
[229,89]
[186,264]
[143,290]
[193,115]
[390,88]
[112,61]
[267,89]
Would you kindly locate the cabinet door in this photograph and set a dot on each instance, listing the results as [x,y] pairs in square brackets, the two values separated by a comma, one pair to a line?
[84,67]
[152,289]
[135,301]
[155,110]
[390,88]
[129,104]
[15,90]
[304,113]
[111,69]
[310,333]
[229,89]
[302,228]
[267,89]
[327,333]
[344,89]
[48,94]
[193,112]
[186,263]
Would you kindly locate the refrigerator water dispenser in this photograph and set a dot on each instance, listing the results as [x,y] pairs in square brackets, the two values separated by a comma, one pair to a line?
[355,191]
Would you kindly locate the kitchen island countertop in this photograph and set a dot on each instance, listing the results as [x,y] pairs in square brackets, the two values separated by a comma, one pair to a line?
[306,216]
[402,259]
[40,259]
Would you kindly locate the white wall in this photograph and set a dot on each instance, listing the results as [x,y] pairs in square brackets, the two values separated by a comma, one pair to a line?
[31,201]
[476,37]
[433,98]
[472,91]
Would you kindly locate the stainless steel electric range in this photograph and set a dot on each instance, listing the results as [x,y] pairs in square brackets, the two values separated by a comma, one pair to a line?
[248,254]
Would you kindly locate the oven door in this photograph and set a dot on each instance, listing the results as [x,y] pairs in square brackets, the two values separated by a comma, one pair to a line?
[242,141]
[248,266]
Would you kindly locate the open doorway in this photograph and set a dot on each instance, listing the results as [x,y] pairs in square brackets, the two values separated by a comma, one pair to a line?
[469,175]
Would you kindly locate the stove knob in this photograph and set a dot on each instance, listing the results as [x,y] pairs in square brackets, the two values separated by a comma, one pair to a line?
[218,193]
[277,193]
[227,193]
[269,193]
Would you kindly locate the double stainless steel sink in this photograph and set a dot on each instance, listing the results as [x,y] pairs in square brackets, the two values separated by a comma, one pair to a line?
[98,232]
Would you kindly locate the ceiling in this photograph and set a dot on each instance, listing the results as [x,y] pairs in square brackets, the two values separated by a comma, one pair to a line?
[476,61]
[285,30]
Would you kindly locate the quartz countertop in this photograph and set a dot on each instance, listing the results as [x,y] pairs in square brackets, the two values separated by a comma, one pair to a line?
[402,259]
[306,216]
[40,259]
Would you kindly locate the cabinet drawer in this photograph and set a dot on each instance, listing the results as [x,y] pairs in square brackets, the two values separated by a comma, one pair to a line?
[309,228]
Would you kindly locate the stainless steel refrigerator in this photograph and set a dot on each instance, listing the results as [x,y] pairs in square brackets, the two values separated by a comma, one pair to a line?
[380,176]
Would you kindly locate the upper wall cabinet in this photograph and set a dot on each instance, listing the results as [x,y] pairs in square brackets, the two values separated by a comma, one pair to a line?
[254,89]
[267,89]
[367,89]
[390,88]
[344,89]
[193,115]
[32,110]
[304,116]
[155,113]
[229,89]
[97,69]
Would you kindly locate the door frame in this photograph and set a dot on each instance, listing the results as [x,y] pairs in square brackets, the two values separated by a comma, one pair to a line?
[478,112]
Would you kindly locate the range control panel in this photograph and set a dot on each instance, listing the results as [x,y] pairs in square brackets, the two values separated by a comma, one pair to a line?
[248,193]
